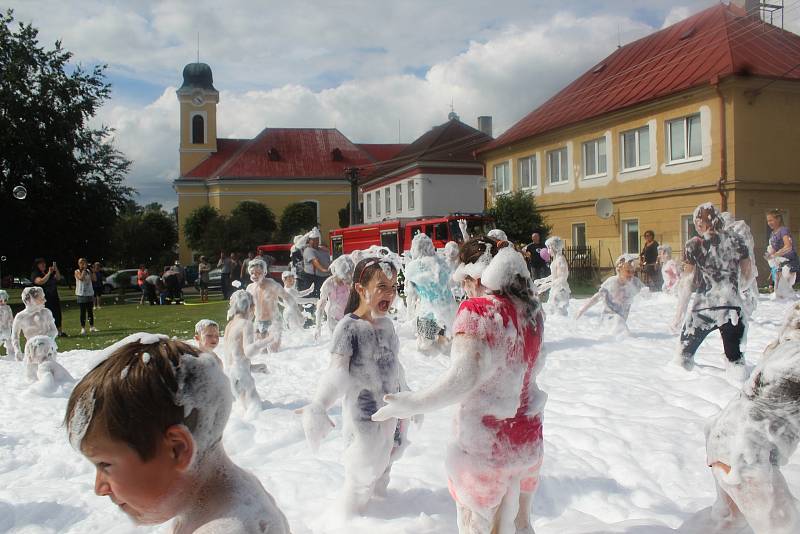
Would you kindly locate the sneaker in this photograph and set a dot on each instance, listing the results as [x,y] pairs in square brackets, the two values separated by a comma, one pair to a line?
[83,331]
[92,329]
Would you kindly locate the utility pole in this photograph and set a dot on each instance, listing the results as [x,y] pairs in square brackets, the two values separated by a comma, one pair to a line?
[351,173]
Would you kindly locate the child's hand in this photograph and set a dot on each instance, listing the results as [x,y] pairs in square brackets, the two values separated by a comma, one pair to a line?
[397,405]
[316,425]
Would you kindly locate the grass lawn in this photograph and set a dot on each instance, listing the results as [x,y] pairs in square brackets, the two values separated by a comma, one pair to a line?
[116,321]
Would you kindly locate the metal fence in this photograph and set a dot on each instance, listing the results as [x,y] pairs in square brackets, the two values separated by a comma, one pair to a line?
[582,262]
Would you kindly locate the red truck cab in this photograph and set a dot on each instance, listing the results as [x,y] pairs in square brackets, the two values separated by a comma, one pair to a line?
[396,234]
[278,259]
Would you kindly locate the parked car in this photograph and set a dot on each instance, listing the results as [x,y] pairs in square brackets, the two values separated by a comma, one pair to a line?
[214,279]
[114,281]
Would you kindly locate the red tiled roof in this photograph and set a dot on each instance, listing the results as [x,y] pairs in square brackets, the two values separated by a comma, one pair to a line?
[382,152]
[451,142]
[301,153]
[712,44]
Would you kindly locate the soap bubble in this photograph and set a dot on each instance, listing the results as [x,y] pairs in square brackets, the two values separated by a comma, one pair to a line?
[20,192]
[3,258]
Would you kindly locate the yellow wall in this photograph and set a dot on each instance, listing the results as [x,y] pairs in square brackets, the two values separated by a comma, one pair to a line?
[276,196]
[656,197]
[192,154]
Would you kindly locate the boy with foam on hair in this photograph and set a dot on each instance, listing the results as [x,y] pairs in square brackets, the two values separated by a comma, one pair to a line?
[206,334]
[6,320]
[42,367]
[34,320]
[617,293]
[266,293]
[240,346]
[150,418]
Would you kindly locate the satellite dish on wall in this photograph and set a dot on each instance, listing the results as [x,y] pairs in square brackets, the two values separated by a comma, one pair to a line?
[604,208]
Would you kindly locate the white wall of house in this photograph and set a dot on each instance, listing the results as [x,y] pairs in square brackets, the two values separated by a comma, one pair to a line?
[434,194]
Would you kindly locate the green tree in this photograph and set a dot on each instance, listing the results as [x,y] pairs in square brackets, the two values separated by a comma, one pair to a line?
[72,172]
[298,218]
[250,224]
[517,215]
[148,237]
[205,231]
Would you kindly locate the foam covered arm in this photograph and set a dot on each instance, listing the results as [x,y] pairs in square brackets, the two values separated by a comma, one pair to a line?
[684,291]
[306,291]
[589,303]
[462,225]
[321,304]
[15,332]
[332,385]
[469,365]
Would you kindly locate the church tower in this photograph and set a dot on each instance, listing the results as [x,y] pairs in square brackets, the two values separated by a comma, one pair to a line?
[198,115]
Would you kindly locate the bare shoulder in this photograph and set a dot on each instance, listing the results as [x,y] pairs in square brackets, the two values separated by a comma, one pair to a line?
[236,525]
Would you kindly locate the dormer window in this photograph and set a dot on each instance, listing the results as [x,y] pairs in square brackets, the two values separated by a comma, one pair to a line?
[336,155]
[273,154]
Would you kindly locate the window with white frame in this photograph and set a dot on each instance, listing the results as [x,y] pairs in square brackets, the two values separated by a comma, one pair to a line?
[557,168]
[411,195]
[630,236]
[594,158]
[684,141]
[398,197]
[579,234]
[387,193]
[528,177]
[502,178]
[688,230]
[635,148]
[369,205]
[378,203]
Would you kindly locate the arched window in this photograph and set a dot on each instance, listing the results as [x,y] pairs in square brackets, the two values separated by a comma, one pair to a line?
[198,130]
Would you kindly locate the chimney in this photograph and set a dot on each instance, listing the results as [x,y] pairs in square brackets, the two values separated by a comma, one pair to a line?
[485,124]
[751,7]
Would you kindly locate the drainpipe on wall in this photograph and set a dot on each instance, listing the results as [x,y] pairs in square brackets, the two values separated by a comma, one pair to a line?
[723,152]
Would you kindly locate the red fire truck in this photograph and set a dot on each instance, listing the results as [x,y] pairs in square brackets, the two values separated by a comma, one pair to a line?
[396,234]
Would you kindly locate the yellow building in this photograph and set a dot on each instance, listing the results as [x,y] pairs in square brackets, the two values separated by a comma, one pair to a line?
[706,110]
[278,167]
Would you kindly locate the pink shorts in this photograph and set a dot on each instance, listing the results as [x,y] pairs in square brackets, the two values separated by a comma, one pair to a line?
[484,487]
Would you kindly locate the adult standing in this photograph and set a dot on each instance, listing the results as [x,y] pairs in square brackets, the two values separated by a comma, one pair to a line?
[97,284]
[316,263]
[47,278]
[225,264]
[782,245]
[648,259]
[141,275]
[716,263]
[244,274]
[532,252]
[203,268]
[84,293]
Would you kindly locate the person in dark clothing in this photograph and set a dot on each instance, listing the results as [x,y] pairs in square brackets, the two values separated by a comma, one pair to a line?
[649,261]
[47,278]
[536,263]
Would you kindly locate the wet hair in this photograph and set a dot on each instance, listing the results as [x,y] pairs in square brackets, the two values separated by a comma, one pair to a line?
[364,271]
[134,397]
[257,264]
[29,294]
[472,250]
[776,214]
[204,324]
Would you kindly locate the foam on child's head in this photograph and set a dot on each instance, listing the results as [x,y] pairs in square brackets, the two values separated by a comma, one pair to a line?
[625,258]
[136,398]
[30,294]
[239,303]
[204,324]
[256,263]
[555,243]
[287,274]
[421,246]
[342,267]
[497,234]
[3,295]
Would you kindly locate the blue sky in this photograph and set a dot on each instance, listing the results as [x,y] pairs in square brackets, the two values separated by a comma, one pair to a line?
[359,65]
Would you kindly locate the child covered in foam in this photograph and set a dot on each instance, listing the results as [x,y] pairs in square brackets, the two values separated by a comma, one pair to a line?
[756,434]
[206,335]
[334,293]
[670,271]
[150,418]
[42,367]
[34,320]
[240,346]
[429,279]
[617,293]
[6,320]
[558,281]
[450,255]
[496,451]
[364,367]
[294,319]
[266,294]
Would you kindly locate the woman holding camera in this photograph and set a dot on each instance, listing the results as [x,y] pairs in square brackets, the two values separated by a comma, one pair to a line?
[85,293]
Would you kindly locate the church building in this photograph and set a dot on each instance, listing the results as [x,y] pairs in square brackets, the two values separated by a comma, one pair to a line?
[278,167]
